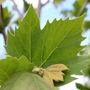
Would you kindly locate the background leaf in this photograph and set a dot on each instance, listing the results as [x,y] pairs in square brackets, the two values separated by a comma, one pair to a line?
[56,2]
[76,67]
[82,87]
[10,66]
[7,16]
[27,81]
[58,42]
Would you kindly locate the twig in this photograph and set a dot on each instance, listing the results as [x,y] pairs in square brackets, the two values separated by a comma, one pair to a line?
[45,3]
[2,23]
[40,5]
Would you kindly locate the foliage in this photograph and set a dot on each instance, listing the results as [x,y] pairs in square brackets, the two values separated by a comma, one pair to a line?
[26,5]
[52,73]
[82,87]
[11,65]
[58,42]
[85,51]
[29,46]
[86,72]
[7,16]
[27,81]
[79,7]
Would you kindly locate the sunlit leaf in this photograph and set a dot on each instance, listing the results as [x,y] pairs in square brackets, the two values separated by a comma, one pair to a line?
[58,42]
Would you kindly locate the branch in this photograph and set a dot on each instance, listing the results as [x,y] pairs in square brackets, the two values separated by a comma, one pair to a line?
[2,23]
[40,5]
[45,3]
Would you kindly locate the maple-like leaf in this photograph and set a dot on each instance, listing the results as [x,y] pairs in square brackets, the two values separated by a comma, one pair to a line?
[58,42]
[52,73]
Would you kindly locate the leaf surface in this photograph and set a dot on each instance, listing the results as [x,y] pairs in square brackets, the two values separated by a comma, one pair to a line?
[61,41]
[76,68]
[24,41]
[10,66]
[58,42]
[27,81]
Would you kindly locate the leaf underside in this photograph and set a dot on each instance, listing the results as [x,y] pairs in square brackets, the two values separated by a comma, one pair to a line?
[27,81]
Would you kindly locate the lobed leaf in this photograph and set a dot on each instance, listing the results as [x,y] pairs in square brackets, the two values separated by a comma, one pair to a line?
[58,42]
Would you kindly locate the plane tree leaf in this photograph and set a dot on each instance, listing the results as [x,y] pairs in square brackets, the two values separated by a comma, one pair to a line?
[57,43]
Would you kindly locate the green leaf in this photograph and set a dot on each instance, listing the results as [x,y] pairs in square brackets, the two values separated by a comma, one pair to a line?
[81,2]
[7,68]
[79,9]
[26,5]
[82,87]
[27,81]
[77,67]
[10,66]
[25,40]
[61,44]
[86,70]
[87,25]
[24,64]
[62,41]
[7,16]
[58,43]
